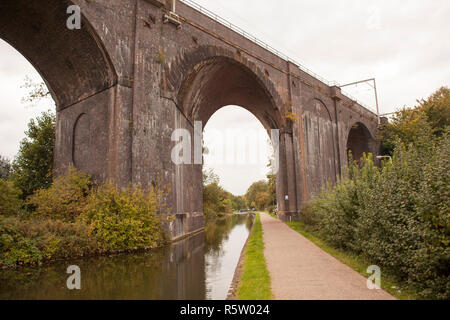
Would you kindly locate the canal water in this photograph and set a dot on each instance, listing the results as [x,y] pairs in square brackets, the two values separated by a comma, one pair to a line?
[198,268]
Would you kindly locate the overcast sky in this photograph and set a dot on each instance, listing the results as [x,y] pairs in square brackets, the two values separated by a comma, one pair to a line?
[403,44]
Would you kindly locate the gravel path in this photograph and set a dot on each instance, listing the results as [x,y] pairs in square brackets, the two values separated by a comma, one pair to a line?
[300,270]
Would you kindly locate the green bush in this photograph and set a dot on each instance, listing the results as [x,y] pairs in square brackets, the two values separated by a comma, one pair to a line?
[407,123]
[73,218]
[122,220]
[10,203]
[272,210]
[34,241]
[65,199]
[397,217]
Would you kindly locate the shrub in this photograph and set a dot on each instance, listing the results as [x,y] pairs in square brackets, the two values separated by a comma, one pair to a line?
[272,210]
[65,199]
[10,203]
[398,217]
[122,220]
[75,219]
[35,241]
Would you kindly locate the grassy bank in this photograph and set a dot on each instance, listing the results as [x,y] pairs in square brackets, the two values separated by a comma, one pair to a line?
[255,280]
[355,262]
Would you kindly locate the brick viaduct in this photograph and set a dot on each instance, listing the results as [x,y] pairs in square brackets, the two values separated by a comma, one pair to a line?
[127,79]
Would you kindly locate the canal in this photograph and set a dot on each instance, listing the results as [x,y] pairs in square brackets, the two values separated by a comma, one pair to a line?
[197,268]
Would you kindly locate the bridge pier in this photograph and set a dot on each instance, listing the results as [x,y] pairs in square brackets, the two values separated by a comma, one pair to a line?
[286,177]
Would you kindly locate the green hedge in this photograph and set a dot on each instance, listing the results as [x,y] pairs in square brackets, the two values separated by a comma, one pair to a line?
[397,217]
[35,241]
[74,217]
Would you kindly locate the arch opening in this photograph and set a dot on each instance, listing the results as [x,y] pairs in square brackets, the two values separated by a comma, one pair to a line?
[238,148]
[24,97]
[73,63]
[359,141]
[220,82]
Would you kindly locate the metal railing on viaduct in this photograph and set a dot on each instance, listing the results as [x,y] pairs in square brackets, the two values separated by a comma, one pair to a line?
[268,47]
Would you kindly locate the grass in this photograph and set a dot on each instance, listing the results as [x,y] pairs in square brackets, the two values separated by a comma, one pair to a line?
[355,262]
[255,281]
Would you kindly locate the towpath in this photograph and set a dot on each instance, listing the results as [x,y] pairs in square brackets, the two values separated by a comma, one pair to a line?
[300,270]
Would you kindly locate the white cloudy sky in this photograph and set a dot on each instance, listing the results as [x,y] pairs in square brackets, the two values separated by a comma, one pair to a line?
[403,44]
[238,148]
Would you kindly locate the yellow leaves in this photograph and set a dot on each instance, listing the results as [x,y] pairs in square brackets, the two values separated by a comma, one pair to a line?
[291,116]
[65,199]
[124,219]
[84,218]
[161,57]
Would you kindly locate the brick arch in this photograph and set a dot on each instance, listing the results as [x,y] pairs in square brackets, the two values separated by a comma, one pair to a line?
[317,99]
[360,140]
[180,72]
[73,63]
[320,143]
[370,129]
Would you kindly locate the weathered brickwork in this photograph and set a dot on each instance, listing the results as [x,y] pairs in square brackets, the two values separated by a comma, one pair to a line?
[126,80]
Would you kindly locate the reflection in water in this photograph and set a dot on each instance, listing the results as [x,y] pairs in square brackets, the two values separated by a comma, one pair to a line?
[200,267]
[220,264]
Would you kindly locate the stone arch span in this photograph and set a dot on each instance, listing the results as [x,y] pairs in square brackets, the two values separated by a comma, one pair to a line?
[360,140]
[73,63]
[208,78]
[204,80]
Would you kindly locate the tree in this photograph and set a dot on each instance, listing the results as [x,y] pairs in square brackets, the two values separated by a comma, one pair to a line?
[216,200]
[32,168]
[209,177]
[5,168]
[212,199]
[257,195]
[213,195]
[37,91]
[432,114]
[437,110]
[238,202]
[262,200]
